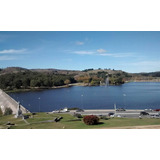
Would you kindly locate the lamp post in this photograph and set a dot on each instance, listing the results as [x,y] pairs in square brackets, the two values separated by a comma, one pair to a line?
[82,100]
[39,103]
[115,108]
[124,99]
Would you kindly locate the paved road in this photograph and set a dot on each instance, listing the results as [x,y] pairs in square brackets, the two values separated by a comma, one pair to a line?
[127,113]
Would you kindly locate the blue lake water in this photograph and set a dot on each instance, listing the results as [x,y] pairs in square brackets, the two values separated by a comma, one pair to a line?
[129,95]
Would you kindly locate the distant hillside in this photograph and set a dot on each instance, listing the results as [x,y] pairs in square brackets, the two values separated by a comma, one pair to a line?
[12,70]
[151,74]
[58,71]
[9,70]
[15,78]
[88,73]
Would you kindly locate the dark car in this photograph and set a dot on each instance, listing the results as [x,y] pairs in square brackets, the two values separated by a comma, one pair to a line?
[144,113]
[120,109]
[79,110]
[157,110]
[110,114]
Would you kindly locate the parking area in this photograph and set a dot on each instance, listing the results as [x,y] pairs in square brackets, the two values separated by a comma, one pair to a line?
[127,113]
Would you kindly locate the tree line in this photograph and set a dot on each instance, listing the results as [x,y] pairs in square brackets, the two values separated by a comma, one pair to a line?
[28,79]
[94,79]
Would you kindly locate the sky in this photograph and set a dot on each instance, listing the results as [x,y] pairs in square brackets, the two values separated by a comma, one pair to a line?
[132,52]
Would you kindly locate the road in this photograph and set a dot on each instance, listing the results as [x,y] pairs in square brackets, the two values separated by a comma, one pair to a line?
[127,113]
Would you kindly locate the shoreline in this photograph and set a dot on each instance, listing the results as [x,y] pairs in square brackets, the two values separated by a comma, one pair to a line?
[45,88]
[69,85]
[54,87]
[36,89]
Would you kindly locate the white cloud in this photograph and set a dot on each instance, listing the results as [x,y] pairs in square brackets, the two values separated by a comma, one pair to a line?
[13,51]
[11,54]
[83,52]
[7,58]
[79,43]
[118,55]
[105,54]
[101,51]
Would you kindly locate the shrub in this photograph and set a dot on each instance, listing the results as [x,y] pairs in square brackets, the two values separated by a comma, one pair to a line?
[91,120]
[103,117]
[77,115]
[73,108]
[8,111]
[1,113]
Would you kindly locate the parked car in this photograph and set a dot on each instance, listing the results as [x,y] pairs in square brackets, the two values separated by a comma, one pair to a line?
[111,114]
[144,113]
[148,110]
[120,109]
[119,116]
[25,116]
[79,110]
[157,110]
[56,111]
[64,110]
[155,116]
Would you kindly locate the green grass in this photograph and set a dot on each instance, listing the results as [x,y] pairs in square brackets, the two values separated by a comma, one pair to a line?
[38,122]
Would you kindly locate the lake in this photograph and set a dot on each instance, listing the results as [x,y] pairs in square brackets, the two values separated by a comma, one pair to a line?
[135,95]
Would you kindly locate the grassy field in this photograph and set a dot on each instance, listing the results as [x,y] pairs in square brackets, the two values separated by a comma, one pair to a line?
[40,121]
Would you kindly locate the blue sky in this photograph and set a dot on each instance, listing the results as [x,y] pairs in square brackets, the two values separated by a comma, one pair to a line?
[127,51]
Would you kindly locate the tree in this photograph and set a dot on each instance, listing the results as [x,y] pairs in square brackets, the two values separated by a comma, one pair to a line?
[95,82]
[26,82]
[8,111]
[67,81]
[33,83]
[17,83]
[91,120]
[1,113]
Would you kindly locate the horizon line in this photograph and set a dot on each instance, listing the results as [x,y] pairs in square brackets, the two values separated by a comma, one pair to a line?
[76,70]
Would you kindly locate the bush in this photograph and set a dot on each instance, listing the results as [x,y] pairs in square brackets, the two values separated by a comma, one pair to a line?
[73,108]
[91,120]
[1,113]
[103,117]
[77,115]
[8,111]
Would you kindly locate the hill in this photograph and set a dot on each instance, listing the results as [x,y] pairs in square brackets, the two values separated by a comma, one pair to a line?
[9,70]
[13,78]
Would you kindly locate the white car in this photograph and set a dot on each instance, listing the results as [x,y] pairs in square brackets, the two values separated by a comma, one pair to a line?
[155,116]
[56,111]
[148,110]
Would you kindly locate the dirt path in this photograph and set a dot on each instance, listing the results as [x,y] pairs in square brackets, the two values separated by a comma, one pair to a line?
[136,127]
